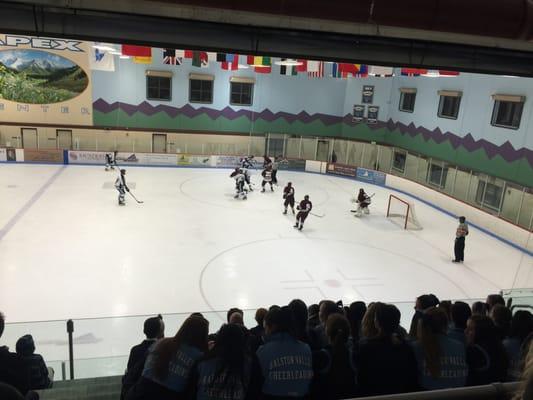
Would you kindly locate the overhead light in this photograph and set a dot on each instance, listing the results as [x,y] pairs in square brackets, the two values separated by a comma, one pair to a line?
[431,74]
[124,57]
[289,62]
[260,66]
[510,76]
[242,66]
[115,53]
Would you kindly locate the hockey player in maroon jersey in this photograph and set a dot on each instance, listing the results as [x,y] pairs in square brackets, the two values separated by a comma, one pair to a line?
[267,162]
[304,208]
[288,195]
[267,178]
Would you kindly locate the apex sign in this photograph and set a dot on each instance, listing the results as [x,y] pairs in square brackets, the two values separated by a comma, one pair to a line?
[41,43]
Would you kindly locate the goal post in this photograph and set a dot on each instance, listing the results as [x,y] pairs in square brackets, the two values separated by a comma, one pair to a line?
[402,211]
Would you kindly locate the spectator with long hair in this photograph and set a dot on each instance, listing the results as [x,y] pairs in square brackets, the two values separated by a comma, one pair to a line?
[167,370]
[368,324]
[441,360]
[525,391]
[355,315]
[501,317]
[299,320]
[386,363]
[285,363]
[226,370]
[485,355]
[521,328]
[335,374]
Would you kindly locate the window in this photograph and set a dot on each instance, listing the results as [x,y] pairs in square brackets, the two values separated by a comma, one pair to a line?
[507,111]
[158,88]
[407,101]
[437,175]
[489,195]
[242,93]
[449,104]
[398,162]
[200,88]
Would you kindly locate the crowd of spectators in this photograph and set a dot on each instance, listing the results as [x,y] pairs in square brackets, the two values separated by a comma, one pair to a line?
[322,351]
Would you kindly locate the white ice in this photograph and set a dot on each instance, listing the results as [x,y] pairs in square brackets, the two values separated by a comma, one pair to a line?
[67,250]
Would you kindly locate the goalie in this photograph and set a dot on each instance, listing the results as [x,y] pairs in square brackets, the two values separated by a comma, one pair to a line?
[363,201]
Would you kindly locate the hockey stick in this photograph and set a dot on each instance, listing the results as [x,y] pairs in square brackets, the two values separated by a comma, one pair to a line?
[138,201]
[317,215]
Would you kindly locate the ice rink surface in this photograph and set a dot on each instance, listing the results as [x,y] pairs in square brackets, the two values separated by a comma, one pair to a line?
[67,250]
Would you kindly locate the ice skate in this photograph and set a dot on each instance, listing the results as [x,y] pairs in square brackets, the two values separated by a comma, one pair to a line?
[295,225]
[300,228]
[285,212]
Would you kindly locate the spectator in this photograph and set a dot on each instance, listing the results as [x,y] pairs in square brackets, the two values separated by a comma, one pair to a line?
[521,328]
[446,306]
[422,303]
[166,373]
[493,299]
[441,360]
[386,364]
[226,371]
[285,363]
[501,317]
[333,157]
[154,329]
[40,376]
[233,310]
[313,320]
[525,391]
[334,367]
[368,325]
[460,313]
[259,330]
[355,315]
[318,338]
[479,308]
[8,392]
[299,320]
[236,319]
[12,369]
[485,356]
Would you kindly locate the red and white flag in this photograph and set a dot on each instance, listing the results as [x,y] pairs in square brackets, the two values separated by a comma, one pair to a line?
[315,69]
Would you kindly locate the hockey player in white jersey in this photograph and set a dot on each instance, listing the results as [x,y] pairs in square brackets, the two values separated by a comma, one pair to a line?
[363,201]
[247,162]
[110,161]
[122,187]
[238,175]
[247,178]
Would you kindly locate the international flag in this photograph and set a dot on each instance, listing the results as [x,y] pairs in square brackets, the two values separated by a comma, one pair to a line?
[448,73]
[199,59]
[336,71]
[136,51]
[188,53]
[413,71]
[288,69]
[231,63]
[376,70]
[302,67]
[142,60]
[211,56]
[315,69]
[355,70]
[101,60]
[259,61]
[170,57]
[263,69]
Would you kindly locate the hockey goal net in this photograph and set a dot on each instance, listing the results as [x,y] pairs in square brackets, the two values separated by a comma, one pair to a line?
[403,213]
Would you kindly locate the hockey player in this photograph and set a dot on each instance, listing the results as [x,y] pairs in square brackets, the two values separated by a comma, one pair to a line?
[267,178]
[275,166]
[238,175]
[247,162]
[288,195]
[267,162]
[363,201]
[110,161]
[247,178]
[304,208]
[122,187]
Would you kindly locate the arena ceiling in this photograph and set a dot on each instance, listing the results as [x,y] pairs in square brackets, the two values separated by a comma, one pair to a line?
[486,36]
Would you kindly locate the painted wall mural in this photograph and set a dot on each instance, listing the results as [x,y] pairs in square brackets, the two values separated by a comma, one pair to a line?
[44,81]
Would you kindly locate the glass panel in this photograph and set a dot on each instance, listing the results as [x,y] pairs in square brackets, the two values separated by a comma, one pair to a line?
[84,141]
[124,142]
[507,114]
[106,142]
[142,143]
[385,158]
[462,182]
[512,198]
[422,169]
[411,166]
[322,151]
[449,182]
[257,145]
[473,189]
[370,156]
[449,106]
[489,193]
[355,151]
[292,149]
[398,160]
[340,147]
[308,148]
[526,212]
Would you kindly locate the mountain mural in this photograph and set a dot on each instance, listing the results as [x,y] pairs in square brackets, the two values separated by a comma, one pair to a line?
[39,77]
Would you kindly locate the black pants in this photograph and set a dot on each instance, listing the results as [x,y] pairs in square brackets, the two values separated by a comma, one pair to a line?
[274,177]
[459,249]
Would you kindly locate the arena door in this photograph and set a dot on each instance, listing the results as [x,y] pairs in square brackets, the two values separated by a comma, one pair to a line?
[64,139]
[29,138]
[159,143]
